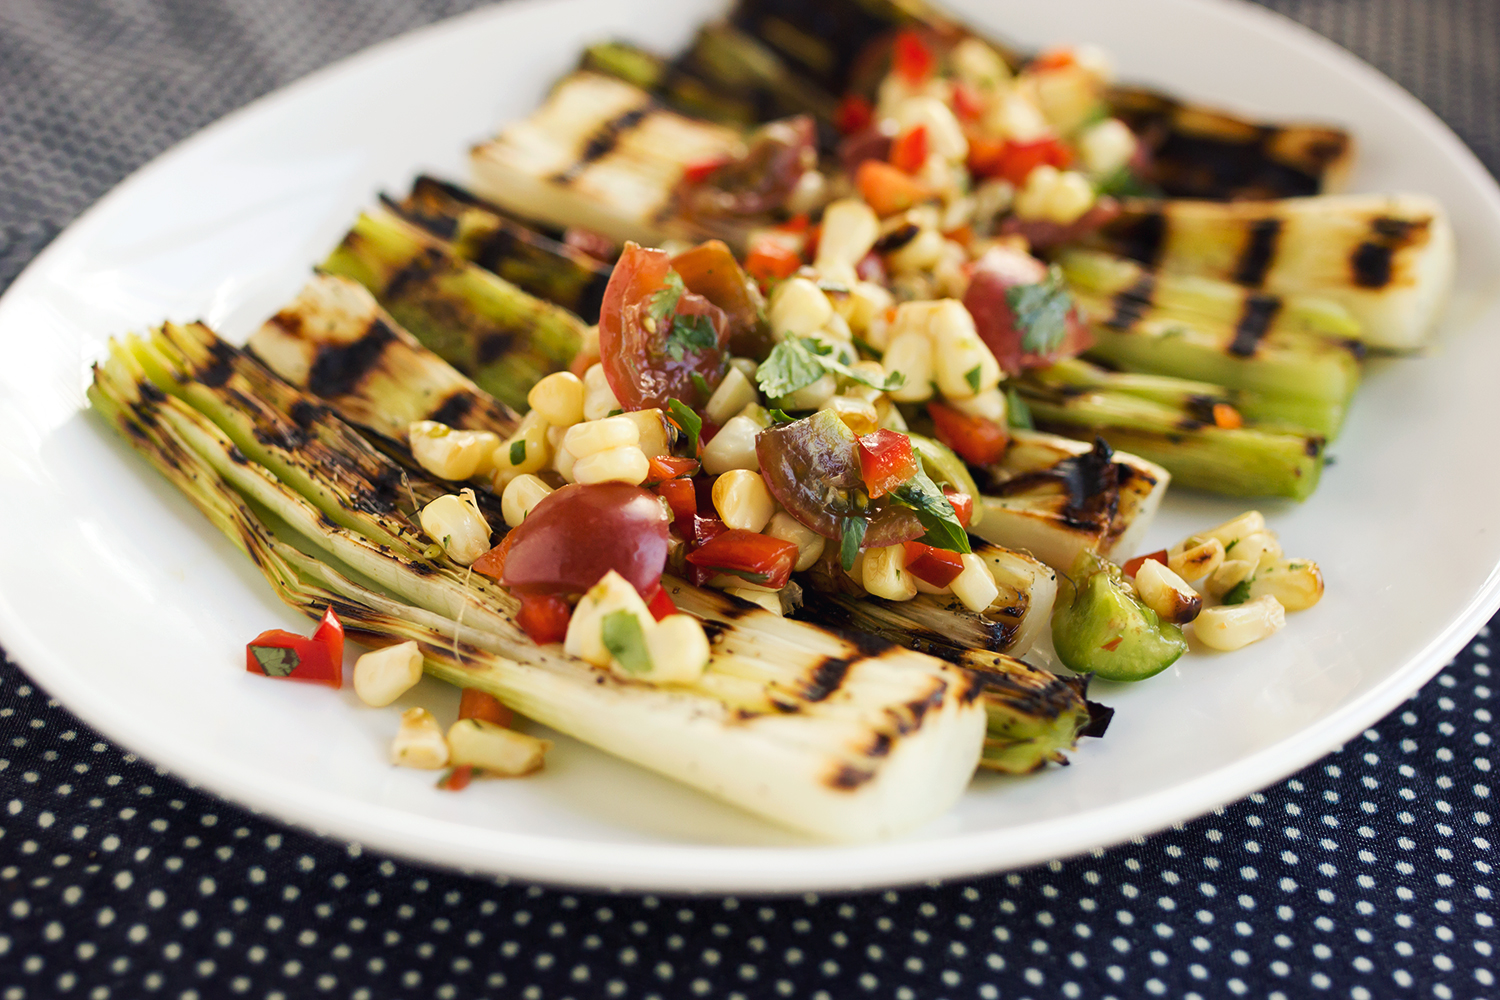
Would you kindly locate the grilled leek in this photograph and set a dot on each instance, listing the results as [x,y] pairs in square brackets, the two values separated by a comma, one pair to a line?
[1387,259]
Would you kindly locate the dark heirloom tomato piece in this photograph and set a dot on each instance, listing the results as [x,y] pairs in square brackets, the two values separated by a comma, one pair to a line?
[777,154]
[711,271]
[658,342]
[994,275]
[977,440]
[582,531]
[757,558]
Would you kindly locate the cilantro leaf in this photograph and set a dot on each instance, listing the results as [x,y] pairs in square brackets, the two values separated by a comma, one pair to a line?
[686,419]
[663,303]
[1017,413]
[1041,312]
[924,498]
[867,348]
[518,451]
[701,384]
[798,362]
[780,416]
[853,536]
[1239,593]
[972,377]
[690,333]
[275,661]
[626,642]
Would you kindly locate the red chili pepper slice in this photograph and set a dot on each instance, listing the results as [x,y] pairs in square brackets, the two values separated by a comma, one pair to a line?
[544,617]
[330,632]
[977,440]
[287,655]
[909,151]
[963,505]
[477,704]
[938,567]
[911,57]
[886,460]
[968,104]
[854,114]
[660,468]
[758,558]
[1133,566]
[660,605]
[457,779]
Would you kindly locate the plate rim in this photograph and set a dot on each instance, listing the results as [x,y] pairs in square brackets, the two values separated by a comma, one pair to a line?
[696,868]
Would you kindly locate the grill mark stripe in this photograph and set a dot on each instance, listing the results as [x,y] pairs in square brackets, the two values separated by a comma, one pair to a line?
[826,678]
[1258,253]
[1132,303]
[1143,238]
[1371,265]
[1255,319]
[599,145]
[339,369]
[453,409]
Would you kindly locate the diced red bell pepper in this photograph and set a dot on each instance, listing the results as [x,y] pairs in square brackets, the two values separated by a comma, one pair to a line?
[911,57]
[771,260]
[680,496]
[283,654]
[477,704]
[886,460]
[968,104]
[544,617]
[888,190]
[963,505]
[660,468]
[853,115]
[660,605]
[909,151]
[492,563]
[978,440]
[1013,161]
[758,558]
[707,527]
[1133,566]
[938,567]
[457,779]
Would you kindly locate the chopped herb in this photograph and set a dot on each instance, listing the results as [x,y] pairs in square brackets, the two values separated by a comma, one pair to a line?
[780,416]
[833,287]
[1239,593]
[274,661]
[972,377]
[686,420]
[690,333]
[1230,547]
[626,642]
[663,303]
[865,347]
[1124,183]
[798,362]
[518,451]
[1041,312]
[937,515]
[614,413]
[701,384]
[853,536]
[1017,413]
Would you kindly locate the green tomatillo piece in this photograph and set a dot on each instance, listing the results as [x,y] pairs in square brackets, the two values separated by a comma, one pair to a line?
[1100,627]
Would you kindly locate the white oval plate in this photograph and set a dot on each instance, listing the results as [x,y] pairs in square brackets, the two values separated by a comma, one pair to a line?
[124,603]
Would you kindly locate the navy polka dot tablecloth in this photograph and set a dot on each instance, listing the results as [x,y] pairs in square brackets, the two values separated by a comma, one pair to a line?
[1368,875]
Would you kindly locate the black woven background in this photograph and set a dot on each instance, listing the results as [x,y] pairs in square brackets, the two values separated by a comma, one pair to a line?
[1367,875]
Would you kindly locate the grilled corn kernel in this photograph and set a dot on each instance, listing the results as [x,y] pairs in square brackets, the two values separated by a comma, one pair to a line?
[809,543]
[1230,574]
[979,64]
[383,675]
[1237,625]
[1270,552]
[733,394]
[808,194]
[911,355]
[655,439]
[625,464]
[1195,557]
[858,414]
[747,367]
[679,649]
[733,447]
[885,573]
[975,586]
[1053,195]
[919,253]
[850,229]
[1106,147]
[598,398]
[1249,548]
[864,307]
[450,454]
[558,398]
[1236,528]
[521,494]
[1167,594]
[989,404]
[601,435]
[585,638]
[456,524]
[945,136]
[962,363]
[742,500]
[810,397]
[1067,96]
[1296,583]
[1016,117]
[524,451]
[494,749]
[798,307]
[563,462]
[419,742]
[767,599]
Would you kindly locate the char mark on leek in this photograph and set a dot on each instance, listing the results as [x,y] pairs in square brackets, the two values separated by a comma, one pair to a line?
[1258,252]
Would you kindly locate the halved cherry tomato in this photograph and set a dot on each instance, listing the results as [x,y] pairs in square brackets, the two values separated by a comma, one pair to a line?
[938,567]
[911,57]
[888,190]
[492,563]
[962,503]
[477,704]
[660,468]
[909,151]
[854,113]
[580,532]
[987,299]
[544,617]
[759,558]
[282,654]
[660,605]
[646,360]
[968,104]
[1133,566]
[886,460]
[977,440]
[680,496]
[457,779]
[771,260]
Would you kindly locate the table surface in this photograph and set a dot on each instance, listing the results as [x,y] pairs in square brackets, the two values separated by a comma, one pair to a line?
[1369,874]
